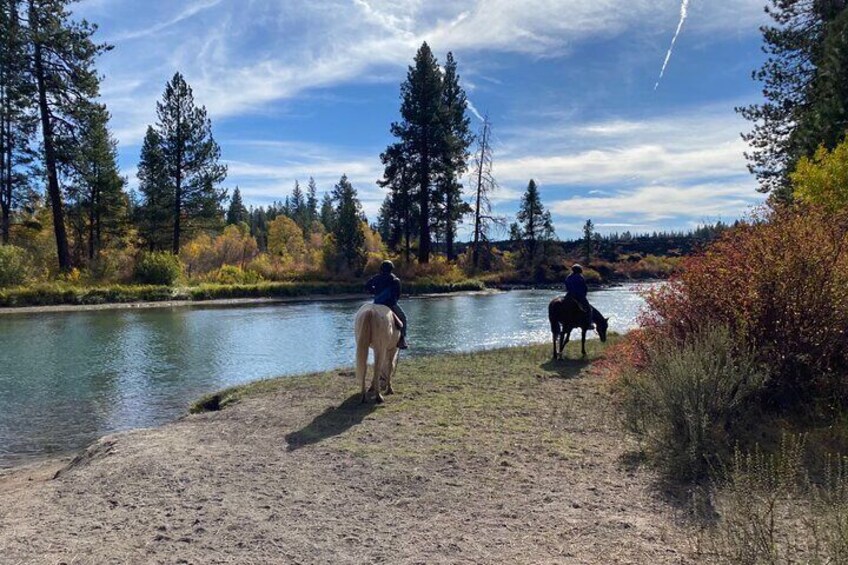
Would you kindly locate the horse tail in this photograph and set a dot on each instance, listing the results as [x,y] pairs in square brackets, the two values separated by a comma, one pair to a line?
[363,342]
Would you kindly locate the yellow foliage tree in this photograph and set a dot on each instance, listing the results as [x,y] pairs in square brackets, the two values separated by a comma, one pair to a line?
[823,179]
[285,240]
[204,254]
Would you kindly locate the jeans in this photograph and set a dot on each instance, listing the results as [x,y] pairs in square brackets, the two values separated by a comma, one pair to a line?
[402,315]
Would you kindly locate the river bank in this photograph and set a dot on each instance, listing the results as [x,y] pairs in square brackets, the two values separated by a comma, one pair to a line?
[71,295]
[219,303]
[498,456]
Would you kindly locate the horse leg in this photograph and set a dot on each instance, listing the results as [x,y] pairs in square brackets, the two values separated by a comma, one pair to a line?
[583,342]
[362,367]
[379,361]
[554,334]
[392,368]
[563,341]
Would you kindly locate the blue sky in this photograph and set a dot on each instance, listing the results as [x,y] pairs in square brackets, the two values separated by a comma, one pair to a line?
[309,88]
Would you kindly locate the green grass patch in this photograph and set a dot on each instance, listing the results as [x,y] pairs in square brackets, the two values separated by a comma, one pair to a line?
[472,403]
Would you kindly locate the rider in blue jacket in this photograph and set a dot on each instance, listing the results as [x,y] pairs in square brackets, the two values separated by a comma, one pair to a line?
[575,286]
[385,287]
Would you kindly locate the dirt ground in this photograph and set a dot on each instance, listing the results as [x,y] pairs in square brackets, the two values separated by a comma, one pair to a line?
[496,457]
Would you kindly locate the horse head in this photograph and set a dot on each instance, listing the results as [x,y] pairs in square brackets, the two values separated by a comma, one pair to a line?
[602,325]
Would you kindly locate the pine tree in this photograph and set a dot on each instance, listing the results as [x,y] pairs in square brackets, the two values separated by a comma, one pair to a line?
[347,229]
[63,68]
[384,222]
[403,210]
[588,240]
[155,211]
[826,119]
[97,193]
[453,158]
[534,222]
[236,213]
[17,117]
[421,135]
[259,227]
[298,210]
[794,47]
[191,159]
[328,212]
[311,202]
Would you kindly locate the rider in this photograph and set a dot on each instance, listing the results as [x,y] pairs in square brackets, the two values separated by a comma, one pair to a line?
[386,290]
[575,286]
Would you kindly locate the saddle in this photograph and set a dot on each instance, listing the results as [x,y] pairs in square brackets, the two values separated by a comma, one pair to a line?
[576,302]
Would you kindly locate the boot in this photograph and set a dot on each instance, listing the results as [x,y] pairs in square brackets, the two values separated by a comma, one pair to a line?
[402,343]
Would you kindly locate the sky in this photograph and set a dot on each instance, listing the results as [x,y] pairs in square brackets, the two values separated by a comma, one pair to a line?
[300,88]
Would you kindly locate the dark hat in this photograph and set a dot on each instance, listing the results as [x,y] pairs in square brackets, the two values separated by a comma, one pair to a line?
[575,268]
[387,266]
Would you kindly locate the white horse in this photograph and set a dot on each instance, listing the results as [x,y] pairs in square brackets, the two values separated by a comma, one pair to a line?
[376,327]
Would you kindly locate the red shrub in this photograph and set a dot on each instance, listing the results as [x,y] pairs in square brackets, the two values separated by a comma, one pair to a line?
[780,284]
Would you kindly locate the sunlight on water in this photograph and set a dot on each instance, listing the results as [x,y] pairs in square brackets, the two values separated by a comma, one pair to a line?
[67,379]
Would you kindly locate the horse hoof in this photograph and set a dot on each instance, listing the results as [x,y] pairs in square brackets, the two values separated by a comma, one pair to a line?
[379,399]
[390,390]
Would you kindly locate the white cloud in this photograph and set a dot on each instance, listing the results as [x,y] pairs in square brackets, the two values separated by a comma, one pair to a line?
[242,55]
[664,202]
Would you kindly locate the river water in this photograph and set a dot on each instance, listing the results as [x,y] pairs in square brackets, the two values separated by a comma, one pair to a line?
[69,378]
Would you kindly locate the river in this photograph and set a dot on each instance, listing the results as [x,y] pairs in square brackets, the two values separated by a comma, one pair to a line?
[69,378]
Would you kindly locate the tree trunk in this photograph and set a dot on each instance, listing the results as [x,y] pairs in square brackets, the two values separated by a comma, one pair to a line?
[53,190]
[449,227]
[91,221]
[5,174]
[178,196]
[424,212]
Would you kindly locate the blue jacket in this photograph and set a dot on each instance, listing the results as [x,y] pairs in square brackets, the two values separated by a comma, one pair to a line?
[385,287]
[575,285]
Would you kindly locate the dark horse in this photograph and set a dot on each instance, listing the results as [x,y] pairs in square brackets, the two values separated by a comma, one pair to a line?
[565,315]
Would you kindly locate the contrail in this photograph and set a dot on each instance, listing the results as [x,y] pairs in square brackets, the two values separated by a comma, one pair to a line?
[474,110]
[684,11]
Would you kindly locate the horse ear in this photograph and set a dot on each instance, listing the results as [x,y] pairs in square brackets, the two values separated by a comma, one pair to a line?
[606,319]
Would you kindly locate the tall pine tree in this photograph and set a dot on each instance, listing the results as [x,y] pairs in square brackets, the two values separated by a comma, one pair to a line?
[421,137]
[154,215]
[63,55]
[99,202]
[453,158]
[402,208]
[18,120]
[783,127]
[191,158]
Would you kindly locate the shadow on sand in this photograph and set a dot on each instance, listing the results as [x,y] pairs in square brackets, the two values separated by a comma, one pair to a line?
[331,422]
[566,368]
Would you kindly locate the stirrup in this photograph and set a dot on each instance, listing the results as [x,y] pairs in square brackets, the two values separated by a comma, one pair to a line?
[402,343]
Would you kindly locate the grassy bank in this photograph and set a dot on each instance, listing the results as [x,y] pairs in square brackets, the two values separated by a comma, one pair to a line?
[470,402]
[59,294]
